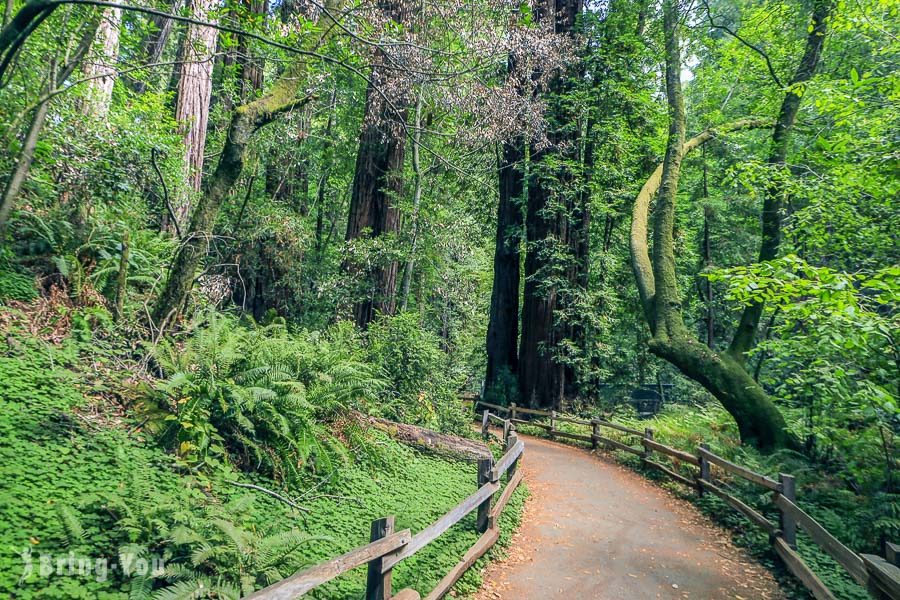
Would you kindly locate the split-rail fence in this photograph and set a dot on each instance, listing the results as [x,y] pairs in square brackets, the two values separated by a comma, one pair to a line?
[879,575]
[389,547]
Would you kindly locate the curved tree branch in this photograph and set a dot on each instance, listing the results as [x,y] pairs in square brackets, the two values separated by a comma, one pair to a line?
[640,253]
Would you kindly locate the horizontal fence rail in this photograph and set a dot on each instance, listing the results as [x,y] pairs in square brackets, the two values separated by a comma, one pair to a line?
[880,576]
[387,548]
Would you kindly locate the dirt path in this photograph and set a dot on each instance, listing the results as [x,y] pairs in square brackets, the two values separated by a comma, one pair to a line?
[594,530]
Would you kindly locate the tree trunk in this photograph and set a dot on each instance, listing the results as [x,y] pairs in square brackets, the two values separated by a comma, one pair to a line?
[322,185]
[541,375]
[23,164]
[759,421]
[773,203]
[579,249]
[245,121]
[8,12]
[192,106]
[503,326]
[154,44]
[417,200]
[704,284]
[252,68]
[101,69]
[378,179]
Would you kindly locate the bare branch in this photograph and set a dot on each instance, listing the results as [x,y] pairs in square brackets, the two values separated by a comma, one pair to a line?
[734,34]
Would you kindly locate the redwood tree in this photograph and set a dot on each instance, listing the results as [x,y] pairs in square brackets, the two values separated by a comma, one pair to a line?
[503,326]
[377,181]
[194,93]
[548,230]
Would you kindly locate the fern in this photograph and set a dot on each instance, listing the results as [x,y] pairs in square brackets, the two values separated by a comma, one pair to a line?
[71,523]
[260,397]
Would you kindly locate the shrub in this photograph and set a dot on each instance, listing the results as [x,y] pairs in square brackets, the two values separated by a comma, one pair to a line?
[422,391]
[259,397]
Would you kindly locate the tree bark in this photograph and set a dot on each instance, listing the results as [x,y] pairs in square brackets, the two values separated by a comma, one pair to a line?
[252,68]
[758,419]
[426,439]
[417,200]
[541,375]
[192,105]
[503,325]
[101,71]
[377,180]
[541,378]
[154,44]
[245,121]
[322,185]
[773,203]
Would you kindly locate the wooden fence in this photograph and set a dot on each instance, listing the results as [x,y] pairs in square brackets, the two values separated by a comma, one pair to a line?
[880,576]
[388,547]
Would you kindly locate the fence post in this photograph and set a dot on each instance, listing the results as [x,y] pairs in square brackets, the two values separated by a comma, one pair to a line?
[484,509]
[891,552]
[511,441]
[788,524]
[512,410]
[704,470]
[595,434]
[485,421]
[506,425]
[552,422]
[378,584]
[648,435]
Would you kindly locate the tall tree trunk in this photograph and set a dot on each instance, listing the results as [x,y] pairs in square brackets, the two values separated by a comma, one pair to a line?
[154,44]
[541,375]
[706,288]
[101,68]
[245,121]
[706,284]
[252,67]
[503,326]
[417,200]
[377,180]
[23,164]
[758,420]
[773,203]
[322,185]
[8,12]
[192,105]
[579,250]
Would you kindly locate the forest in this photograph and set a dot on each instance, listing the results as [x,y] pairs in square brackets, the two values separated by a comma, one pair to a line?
[236,233]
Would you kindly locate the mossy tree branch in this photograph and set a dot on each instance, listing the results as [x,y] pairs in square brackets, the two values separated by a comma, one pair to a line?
[758,419]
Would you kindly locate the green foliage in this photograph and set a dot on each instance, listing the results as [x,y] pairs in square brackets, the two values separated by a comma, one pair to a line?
[76,483]
[422,392]
[505,389]
[834,357]
[16,286]
[256,396]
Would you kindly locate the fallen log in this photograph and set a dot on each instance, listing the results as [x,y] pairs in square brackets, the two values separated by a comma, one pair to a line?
[427,439]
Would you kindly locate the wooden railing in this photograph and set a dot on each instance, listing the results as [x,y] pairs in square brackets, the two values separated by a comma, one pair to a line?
[880,576]
[388,547]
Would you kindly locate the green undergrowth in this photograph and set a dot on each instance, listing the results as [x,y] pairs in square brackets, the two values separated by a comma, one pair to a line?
[859,520]
[78,478]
